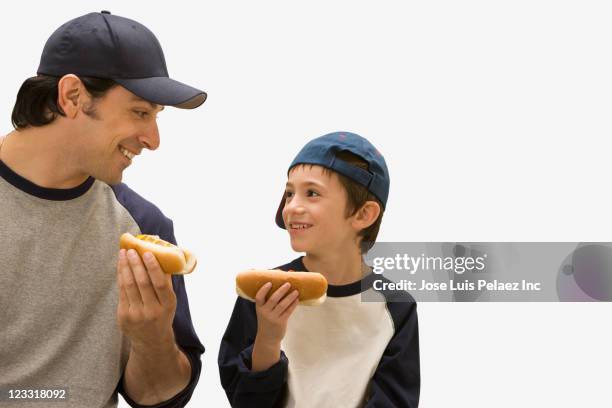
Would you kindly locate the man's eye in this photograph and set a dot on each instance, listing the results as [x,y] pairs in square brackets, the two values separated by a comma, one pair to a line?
[312,193]
[141,114]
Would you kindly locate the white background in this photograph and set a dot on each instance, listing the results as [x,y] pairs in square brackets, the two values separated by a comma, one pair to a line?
[494,118]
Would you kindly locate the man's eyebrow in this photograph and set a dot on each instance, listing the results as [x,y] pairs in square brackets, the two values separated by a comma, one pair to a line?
[153,105]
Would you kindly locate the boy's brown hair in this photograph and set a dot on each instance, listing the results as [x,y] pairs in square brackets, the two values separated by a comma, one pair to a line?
[357,196]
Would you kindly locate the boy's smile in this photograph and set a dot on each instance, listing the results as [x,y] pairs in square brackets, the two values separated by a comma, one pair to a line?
[299,226]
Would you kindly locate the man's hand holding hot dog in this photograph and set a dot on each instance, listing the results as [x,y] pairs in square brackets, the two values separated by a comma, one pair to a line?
[272,318]
[157,369]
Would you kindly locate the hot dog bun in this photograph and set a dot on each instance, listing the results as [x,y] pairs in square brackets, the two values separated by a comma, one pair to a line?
[172,259]
[312,286]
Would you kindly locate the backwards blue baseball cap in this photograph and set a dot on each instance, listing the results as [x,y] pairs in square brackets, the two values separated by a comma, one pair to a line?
[323,151]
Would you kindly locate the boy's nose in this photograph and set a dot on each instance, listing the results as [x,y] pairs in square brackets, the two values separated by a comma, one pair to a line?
[294,206]
[298,209]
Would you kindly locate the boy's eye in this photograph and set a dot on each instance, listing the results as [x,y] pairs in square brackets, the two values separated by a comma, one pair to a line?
[288,194]
[312,193]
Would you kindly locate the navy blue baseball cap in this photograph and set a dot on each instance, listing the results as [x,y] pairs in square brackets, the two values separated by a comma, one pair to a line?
[322,151]
[102,45]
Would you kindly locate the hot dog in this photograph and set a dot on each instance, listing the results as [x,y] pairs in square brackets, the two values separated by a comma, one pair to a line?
[312,286]
[172,259]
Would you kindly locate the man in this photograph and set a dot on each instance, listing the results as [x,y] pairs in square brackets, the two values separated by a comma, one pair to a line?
[80,321]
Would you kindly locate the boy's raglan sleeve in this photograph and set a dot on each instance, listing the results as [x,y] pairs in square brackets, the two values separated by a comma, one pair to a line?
[397,379]
[243,387]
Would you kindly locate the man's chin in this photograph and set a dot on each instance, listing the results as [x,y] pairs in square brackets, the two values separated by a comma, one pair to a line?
[110,179]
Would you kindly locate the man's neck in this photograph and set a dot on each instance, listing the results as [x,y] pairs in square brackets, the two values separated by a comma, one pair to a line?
[36,154]
[339,267]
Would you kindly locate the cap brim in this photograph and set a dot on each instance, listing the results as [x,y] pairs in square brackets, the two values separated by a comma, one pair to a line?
[279,213]
[164,91]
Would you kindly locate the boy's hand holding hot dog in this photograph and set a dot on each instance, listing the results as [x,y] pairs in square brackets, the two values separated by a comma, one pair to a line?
[272,317]
[276,294]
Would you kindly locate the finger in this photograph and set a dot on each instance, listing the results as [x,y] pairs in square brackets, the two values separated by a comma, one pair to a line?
[143,281]
[123,299]
[123,277]
[286,302]
[289,311]
[278,294]
[162,282]
[129,282]
[260,297]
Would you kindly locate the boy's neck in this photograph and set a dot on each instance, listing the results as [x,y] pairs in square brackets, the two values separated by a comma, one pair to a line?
[339,268]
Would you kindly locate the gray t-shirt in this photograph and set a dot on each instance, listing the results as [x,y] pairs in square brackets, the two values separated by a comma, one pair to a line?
[59,293]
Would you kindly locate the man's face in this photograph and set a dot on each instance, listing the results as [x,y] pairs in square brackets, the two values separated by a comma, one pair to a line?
[112,130]
[315,211]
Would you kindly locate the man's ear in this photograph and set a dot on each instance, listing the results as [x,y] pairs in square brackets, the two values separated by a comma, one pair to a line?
[366,215]
[71,95]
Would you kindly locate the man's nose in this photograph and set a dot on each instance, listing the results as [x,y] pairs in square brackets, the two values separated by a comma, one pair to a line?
[150,137]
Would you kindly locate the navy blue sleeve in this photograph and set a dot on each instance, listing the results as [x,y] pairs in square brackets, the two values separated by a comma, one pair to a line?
[262,389]
[397,379]
[152,221]
[243,387]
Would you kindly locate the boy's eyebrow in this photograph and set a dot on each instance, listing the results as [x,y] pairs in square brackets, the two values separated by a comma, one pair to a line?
[308,183]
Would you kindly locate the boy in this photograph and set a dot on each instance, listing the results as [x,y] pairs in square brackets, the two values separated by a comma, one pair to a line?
[344,353]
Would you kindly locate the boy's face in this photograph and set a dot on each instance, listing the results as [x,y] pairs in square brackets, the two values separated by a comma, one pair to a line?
[119,127]
[315,211]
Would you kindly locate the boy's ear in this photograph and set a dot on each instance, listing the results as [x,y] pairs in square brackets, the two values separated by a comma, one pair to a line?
[366,215]
[71,94]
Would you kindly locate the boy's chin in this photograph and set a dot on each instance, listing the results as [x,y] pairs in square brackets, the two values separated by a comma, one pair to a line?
[298,246]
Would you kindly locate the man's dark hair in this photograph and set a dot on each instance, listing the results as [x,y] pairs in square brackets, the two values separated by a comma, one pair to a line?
[36,103]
